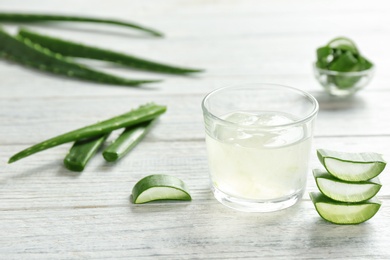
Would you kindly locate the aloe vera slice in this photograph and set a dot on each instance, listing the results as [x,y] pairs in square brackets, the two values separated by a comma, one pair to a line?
[126,142]
[73,49]
[345,191]
[82,152]
[352,166]
[323,54]
[159,187]
[346,62]
[27,17]
[142,114]
[343,43]
[344,213]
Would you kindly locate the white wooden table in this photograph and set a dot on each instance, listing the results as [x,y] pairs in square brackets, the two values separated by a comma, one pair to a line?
[47,212]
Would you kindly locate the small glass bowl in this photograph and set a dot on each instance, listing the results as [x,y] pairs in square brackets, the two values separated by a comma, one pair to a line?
[343,84]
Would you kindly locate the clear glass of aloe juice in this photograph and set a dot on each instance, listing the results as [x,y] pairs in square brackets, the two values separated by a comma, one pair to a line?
[258,140]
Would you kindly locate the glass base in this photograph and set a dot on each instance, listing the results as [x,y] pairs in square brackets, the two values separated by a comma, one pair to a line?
[256,205]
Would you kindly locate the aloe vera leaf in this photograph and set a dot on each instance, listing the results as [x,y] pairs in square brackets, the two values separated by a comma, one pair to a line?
[352,166]
[344,213]
[126,141]
[72,49]
[84,73]
[26,17]
[346,191]
[24,52]
[142,114]
[82,151]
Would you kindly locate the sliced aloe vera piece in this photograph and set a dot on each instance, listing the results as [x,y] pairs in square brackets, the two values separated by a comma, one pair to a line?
[346,191]
[352,166]
[343,43]
[159,187]
[344,213]
[346,62]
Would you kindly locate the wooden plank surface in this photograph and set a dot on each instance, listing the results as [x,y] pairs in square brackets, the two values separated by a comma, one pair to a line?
[47,212]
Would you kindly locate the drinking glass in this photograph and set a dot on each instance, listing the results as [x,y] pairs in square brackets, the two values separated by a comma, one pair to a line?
[258,140]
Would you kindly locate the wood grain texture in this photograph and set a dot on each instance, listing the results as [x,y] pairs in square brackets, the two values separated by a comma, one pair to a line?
[47,212]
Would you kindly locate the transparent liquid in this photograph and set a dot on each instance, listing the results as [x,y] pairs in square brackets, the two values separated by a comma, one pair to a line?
[262,165]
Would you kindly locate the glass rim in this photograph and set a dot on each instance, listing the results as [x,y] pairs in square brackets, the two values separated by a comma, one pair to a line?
[262,86]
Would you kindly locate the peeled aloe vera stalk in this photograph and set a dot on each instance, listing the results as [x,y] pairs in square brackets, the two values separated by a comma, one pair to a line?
[345,191]
[344,213]
[352,166]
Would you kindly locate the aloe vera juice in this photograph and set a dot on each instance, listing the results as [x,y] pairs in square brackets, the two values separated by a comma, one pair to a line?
[252,160]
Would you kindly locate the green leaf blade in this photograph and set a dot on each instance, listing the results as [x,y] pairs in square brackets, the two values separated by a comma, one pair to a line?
[28,17]
[73,49]
[142,114]
[25,52]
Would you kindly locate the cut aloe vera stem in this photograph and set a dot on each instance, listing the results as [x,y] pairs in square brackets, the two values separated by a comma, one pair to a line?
[126,142]
[352,166]
[160,187]
[27,18]
[142,114]
[24,52]
[72,49]
[344,213]
[82,151]
[345,191]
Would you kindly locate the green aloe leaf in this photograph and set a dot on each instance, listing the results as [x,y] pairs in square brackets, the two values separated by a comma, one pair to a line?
[72,49]
[31,18]
[142,114]
[25,52]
